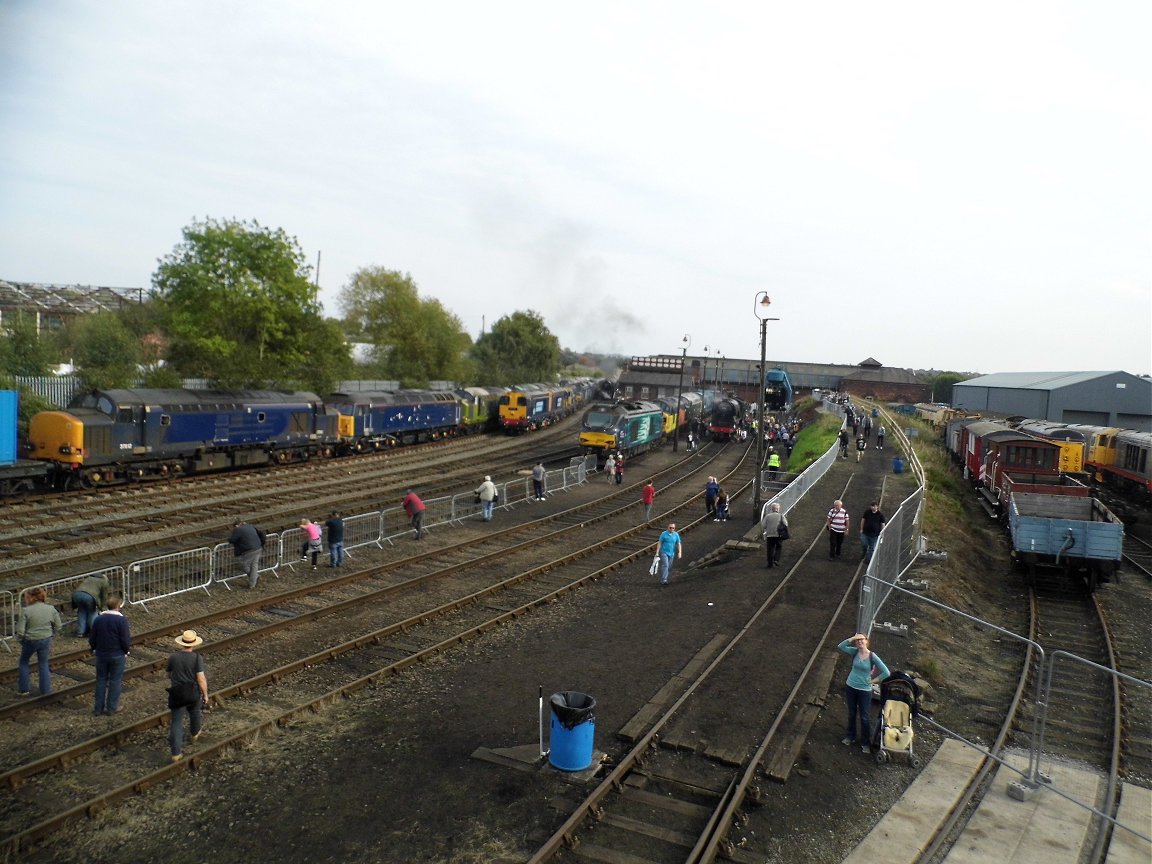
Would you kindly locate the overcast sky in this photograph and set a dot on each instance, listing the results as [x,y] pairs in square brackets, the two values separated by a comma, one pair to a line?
[951,186]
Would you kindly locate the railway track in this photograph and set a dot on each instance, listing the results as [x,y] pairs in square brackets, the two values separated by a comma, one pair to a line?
[109,528]
[1093,717]
[696,760]
[370,627]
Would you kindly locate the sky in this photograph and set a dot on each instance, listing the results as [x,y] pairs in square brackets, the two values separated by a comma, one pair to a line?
[962,187]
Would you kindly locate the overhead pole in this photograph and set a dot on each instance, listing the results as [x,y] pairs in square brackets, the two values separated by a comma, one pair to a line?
[761,307]
[687,340]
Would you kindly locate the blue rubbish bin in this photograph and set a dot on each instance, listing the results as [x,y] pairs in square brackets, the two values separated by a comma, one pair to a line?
[573,725]
[897,465]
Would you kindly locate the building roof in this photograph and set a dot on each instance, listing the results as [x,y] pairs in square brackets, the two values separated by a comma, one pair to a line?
[1034,380]
[34,297]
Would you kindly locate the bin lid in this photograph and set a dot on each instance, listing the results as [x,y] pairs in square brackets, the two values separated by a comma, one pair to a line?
[573,708]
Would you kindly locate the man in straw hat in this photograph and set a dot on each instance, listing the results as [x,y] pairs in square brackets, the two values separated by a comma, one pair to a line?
[189,691]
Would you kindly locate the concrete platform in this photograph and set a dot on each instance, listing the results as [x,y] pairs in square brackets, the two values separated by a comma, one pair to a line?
[906,829]
[1045,829]
[1136,812]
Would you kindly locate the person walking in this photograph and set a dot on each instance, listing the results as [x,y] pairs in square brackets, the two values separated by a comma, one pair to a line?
[188,693]
[39,621]
[880,437]
[861,445]
[111,641]
[871,524]
[844,443]
[89,599]
[711,490]
[691,443]
[610,467]
[539,475]
[669,547]
[311,545]
[647,497]
[486,495]
[415,508]
[248,545]
[773,465]
[335,529]
[866,668]
[773,536]
[619,469]
[837,526]
[867,426]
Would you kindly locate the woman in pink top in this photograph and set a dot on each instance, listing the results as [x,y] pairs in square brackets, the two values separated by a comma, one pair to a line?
[311,541]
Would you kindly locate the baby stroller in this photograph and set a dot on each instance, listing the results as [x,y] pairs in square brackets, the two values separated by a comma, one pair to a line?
[899,704]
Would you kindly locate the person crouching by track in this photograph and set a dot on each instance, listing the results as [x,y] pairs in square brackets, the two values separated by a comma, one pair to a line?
[773,537]
[248,545]
[837,526]
[188,693]
[90,599]
[414,507]
[866,667]
[311,545]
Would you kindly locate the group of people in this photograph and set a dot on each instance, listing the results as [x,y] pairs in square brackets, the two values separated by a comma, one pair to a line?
[838,521]
[614,468]
[109,636]
[716,506]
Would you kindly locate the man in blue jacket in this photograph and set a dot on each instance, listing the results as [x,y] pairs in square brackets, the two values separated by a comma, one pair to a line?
[111,640]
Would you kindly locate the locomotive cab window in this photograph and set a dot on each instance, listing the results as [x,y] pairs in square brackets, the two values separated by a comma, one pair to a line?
[124,415]
[261,416]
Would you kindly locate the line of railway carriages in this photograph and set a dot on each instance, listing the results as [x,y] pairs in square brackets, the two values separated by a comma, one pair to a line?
[1039,482]
[113,436]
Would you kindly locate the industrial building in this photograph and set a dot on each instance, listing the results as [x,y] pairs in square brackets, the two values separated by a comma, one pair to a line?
[1094,398]
[661,376]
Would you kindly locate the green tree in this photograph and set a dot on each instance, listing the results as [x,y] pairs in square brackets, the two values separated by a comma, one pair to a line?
[413,340]
[240,309]
[942,386]
[23,350]
[519,348]
[105,351]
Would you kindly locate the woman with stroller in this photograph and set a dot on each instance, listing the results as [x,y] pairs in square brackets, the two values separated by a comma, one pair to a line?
[866,667]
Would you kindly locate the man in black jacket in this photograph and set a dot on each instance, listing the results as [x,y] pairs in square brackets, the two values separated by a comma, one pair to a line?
[248,544]
[111,641]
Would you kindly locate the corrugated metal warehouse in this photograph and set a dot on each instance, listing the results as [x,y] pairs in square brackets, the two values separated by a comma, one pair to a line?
[1095,398]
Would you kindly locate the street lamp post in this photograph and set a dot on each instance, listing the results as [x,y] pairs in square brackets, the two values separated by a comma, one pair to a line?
[763,302]
[687,340]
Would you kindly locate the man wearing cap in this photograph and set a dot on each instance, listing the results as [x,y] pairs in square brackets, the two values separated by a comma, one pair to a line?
[186,673]
[486,492]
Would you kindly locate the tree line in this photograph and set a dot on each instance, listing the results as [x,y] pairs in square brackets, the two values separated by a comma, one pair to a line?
[234,303]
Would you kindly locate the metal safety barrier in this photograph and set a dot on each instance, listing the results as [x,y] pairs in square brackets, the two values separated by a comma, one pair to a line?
[151,579]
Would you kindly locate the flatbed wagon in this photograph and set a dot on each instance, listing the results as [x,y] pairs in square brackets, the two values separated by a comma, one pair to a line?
[1075,533]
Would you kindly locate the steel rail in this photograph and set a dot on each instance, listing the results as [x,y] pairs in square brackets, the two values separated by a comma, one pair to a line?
[565,835]
[20,841]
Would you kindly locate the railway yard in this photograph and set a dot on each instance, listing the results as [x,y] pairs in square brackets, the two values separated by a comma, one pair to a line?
[390,711]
